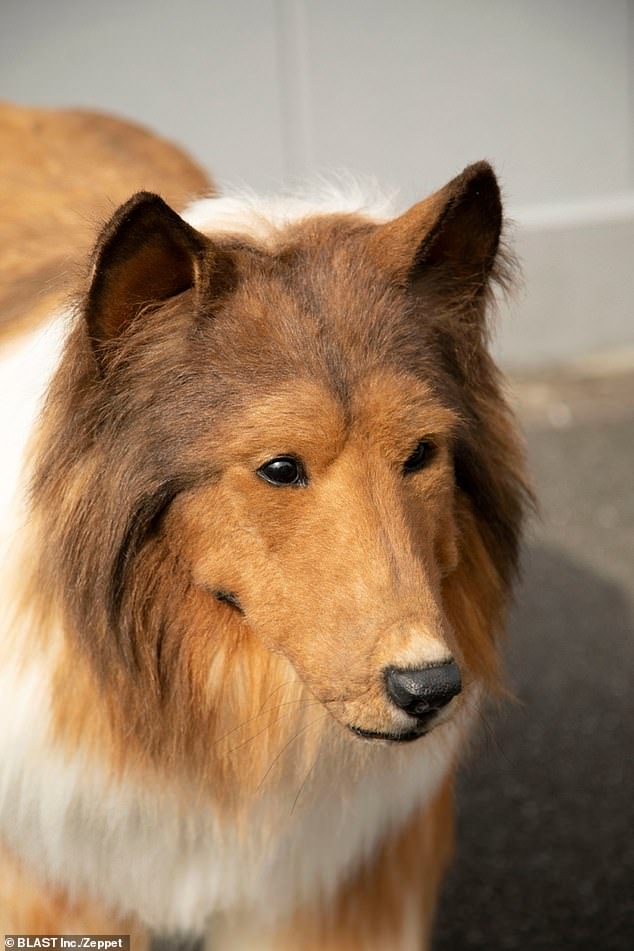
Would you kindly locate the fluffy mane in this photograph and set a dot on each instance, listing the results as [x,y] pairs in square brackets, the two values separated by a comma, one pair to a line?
[212,647]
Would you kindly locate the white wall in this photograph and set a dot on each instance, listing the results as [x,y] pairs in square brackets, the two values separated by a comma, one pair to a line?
[265,91]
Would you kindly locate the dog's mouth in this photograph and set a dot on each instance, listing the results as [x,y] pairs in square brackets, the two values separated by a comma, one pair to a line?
[424,725]
[406,736]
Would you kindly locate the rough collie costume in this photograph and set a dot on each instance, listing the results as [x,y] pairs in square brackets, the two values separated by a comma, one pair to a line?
[257,544]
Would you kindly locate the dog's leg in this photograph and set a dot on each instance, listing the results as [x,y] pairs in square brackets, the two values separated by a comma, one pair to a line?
[26,907]
[388,906]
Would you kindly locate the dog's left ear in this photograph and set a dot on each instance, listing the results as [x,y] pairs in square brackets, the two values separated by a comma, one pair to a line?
[145,255]
[448,242]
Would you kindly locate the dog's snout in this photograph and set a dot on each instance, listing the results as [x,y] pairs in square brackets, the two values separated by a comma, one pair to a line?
[421,692]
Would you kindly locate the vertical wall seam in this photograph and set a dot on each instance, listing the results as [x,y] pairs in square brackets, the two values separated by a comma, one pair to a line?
[630,88]
[293,71]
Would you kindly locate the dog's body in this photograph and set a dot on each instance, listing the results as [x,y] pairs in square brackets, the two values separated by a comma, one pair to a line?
[274,506]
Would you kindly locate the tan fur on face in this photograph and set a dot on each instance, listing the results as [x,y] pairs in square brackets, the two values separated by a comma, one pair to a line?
[380,579]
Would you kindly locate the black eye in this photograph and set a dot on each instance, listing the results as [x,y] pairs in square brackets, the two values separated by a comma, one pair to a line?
[420,457]
[283,470]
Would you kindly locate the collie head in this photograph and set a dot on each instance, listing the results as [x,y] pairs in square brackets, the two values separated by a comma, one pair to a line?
[277,482]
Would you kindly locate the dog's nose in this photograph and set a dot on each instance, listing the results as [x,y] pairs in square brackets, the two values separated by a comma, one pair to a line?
[421,692]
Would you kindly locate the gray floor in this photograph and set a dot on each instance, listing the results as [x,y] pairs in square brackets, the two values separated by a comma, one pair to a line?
[546,806]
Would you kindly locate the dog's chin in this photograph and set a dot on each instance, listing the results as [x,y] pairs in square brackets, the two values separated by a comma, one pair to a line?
[400,736]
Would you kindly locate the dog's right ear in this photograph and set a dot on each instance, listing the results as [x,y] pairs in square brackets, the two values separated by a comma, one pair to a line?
[446,246]
[145,255]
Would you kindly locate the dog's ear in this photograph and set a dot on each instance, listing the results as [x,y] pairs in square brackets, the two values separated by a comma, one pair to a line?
[145,255]
[446,244]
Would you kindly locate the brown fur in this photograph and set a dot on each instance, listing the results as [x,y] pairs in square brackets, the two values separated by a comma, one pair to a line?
[62,172]
[343,342]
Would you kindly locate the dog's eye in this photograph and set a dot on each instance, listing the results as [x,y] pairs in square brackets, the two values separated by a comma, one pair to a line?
[420,457]
[283,470]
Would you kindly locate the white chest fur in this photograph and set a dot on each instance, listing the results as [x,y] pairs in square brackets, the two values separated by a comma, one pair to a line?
[25,369]
[142,852]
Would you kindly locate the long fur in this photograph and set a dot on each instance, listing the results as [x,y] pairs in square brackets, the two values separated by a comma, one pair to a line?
[175,705]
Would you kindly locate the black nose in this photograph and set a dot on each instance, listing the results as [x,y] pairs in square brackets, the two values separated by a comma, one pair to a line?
[425,691]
